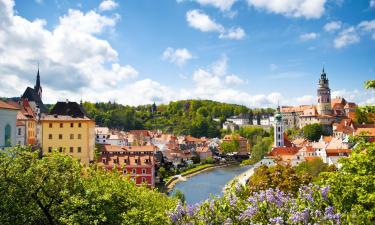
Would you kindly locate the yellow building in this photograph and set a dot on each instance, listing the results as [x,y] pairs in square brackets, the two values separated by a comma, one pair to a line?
[68,130]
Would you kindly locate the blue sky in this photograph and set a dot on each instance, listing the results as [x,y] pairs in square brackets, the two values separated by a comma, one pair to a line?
[251,52]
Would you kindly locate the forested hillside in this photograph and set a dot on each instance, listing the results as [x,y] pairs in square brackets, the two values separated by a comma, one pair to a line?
[194,117]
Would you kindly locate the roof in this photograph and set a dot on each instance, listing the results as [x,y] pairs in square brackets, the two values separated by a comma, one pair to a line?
[67,108]
[20,116]
[327,138]
[4,105]
[101,130]
[193,139]
[229,137]
[350,105]
[32,95]
[20,123]
[202,149]
[143,133]
[311,158]
[63,118]
[338,100]
[145,148]
[276,151]
[300,108]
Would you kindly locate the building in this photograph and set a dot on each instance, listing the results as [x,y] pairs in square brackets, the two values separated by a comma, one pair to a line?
[240,120]
[67,129]
[102,134]
[204,152]
[324,96]
[279,130]
[8,122]
[21,129]
[137,162]
[243,143]
[34,96]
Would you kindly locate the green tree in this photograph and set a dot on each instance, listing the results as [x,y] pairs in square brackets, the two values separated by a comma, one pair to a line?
[370,84]
[313,167]
[259,150]
[312,132]
[178,194]
[162,173]
[230,146]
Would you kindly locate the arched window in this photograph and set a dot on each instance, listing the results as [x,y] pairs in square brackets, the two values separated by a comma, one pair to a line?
[8,140]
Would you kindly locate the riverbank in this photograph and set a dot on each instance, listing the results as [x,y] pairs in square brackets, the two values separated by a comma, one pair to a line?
[170,184]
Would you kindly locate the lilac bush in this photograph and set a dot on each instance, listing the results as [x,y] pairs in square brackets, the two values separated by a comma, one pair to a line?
[272,206]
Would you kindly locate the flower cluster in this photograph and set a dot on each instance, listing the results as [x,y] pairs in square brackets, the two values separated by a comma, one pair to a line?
[272,206]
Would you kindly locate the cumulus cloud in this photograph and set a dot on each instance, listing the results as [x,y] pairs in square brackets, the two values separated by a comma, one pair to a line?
[346,37]
[310,9]
[306,100]
[201,21]
[233,33]
[372,3]
[198,20]
[108,5]
[177,56]
[233,80]
[332,26]
[308,36]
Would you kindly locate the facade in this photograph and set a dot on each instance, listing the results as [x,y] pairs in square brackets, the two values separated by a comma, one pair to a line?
[279,130]
[324,96]
[21,129]
[102,134]
[67,129]
[137,162]
[243,143]
[8,121]
[240,120]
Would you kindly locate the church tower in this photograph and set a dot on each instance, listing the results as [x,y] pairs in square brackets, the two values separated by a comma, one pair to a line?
[279,131]
[37,86]
[324,96]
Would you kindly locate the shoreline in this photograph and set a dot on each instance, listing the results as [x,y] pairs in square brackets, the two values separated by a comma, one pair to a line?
[177,178]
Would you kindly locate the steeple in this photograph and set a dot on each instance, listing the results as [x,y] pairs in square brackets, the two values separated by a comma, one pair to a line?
[37,86]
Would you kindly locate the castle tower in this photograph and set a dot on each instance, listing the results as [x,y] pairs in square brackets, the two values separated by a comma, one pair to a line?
[37,86]
[279,131]
[324,96]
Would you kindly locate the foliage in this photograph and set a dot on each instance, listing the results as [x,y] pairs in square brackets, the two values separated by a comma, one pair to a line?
[230,146]
[353,185]
[365,115]
[252,133]
[310,206]
[178,194]
[293,133]
[208,160]
[313,167]
[162,172]
[259,150]
[370,84]
[313,132]
[281,177]
[56,189]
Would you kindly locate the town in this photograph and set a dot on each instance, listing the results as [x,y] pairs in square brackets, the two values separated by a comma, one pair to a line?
[66,128]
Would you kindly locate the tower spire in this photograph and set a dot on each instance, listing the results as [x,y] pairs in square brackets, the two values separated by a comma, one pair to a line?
[37,86]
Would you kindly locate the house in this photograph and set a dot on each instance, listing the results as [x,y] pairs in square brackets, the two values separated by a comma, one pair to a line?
[204,152]
[21,129]
[67,129]
[137,162]
[243,143]
[34,96]
[286,155]
[102,134]
[140,137]
[240,120]
[8,123]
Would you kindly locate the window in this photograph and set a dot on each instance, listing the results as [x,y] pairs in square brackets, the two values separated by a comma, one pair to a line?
[19,131]
[71,150]
[124,171]
[79,125]
[104,161]
[115,161]
[136,160]
[79,136]
[125,161]
[60,149]
[7,136]
[71,125]
[71,136]
[61,125]
[50,136]
[79,149]
[134,171]
[50,125]
[143,171]
[49,149]
[147,161]
[60,136]
[144,180]
[97,136]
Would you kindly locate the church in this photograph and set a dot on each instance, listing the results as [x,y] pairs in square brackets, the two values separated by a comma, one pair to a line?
[326,112]
[34,96]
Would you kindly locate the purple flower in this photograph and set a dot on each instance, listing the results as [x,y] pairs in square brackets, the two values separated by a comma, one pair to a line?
[297,217]
[270,196]
[324,192]
[228,221]
[277,220]
[248,213]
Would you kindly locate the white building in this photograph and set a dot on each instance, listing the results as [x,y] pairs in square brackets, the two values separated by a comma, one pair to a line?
[21,129]
[240,120]
[8,120]
[101,135]
[267,121]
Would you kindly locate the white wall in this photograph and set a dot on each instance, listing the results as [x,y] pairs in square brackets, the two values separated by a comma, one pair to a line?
[8,117]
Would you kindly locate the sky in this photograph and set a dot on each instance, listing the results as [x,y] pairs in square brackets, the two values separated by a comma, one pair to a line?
[251,52]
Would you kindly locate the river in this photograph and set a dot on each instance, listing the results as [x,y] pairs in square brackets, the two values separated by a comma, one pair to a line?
[199,187]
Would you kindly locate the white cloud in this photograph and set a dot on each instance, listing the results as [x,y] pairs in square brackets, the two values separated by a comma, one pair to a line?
[201,21]
[372,3]
[234,34]
[332,26]
[310,9]
[346,37]
[108,5]
[308,36]
[223,5]
[273,67]
[177,56]
[367,25]
[306,100]
[197,19]
[233,80]
[39,1]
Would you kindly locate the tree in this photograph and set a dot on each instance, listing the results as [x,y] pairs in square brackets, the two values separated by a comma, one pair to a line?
[313,167]
[259,150]
[312,132]
[230,146]
[370,84]
[178,194]
[162,173]
[56,189]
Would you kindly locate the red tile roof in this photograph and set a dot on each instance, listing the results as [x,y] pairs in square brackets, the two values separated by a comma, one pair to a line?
[276,151]
[369,132]
[311,158]
[4,105]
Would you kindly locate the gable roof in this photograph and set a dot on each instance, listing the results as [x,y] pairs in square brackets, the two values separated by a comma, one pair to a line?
[4,105]
[68,109]
[31,95]
[284,151]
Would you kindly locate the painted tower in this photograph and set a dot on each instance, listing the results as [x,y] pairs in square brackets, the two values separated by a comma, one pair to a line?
[324,96]
[279,131]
